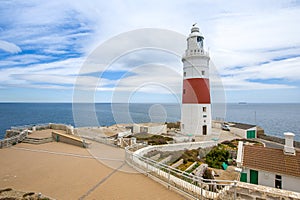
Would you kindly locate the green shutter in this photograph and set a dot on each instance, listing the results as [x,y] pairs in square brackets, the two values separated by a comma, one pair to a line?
[243,177]
[253,176]
[251,134]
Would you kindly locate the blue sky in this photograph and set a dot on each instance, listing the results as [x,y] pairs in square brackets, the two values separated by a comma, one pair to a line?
[254,45]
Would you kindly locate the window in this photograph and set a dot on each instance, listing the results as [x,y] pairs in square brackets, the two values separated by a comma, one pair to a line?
[204,116]
[182,126]
[203,73]
[278,182]
[183,91]
[204,109]
[184,74]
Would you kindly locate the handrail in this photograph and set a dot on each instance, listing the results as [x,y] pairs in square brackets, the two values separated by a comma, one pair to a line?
[186,183]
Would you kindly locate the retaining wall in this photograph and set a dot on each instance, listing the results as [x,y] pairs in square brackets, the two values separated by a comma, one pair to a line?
[175,147]
[249,191]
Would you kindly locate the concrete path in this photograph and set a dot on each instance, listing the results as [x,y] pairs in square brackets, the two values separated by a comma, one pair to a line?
[64,171]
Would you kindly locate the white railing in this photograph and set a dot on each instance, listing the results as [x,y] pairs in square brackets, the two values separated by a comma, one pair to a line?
[192,186]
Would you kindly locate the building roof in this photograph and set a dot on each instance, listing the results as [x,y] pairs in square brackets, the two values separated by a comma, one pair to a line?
[242,126]
[271,160]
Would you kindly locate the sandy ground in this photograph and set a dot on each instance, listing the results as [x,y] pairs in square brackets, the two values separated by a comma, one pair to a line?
[64,171]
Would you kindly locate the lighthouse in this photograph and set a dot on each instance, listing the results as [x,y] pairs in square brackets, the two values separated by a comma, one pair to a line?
[196,106]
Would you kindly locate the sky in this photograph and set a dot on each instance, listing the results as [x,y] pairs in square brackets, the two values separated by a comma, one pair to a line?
[254,47]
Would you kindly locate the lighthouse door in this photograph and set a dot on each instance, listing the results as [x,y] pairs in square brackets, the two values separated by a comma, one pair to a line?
[204,130]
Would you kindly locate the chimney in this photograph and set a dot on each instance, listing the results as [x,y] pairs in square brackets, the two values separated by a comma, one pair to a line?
[289,143]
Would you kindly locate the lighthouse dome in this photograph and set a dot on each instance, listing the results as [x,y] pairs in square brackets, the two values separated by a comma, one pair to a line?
[195,31]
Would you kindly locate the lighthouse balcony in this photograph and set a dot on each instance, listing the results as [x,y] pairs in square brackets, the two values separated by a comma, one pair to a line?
[196,52]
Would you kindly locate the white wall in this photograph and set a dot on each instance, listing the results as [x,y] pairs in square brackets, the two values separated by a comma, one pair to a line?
[216,124]
[268,179]
[291,183]
[193,120]
[157,130]
[175,147]
[195,72]
[136,128]
[239,132]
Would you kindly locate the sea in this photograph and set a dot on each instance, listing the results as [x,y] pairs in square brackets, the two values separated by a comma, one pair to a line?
[274,118]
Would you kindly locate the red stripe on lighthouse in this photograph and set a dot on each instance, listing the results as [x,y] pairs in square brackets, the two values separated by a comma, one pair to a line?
[196,90]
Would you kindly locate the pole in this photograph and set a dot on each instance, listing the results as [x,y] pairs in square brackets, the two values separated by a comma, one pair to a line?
[201,187]
[147,168]
[169,177]
[235,183]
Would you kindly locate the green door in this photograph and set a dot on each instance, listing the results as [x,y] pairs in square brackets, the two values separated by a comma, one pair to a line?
[251,134]
[57,138]
[243,177]
[253,176]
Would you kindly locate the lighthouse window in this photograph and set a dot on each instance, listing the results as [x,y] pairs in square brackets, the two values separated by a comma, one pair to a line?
[184,73]
[204,109]
[204,115]
[183,91]
[203,73]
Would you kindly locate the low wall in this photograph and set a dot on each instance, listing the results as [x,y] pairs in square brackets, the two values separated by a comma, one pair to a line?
[7,142]
[68,128]
[175,147]
[249,191]
[69,139]
[217,124]
[277,140]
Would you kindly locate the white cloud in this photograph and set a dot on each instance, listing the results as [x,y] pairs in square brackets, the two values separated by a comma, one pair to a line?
[9,47]
[246,40]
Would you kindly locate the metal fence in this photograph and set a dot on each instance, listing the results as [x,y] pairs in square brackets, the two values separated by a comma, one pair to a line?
[189,185]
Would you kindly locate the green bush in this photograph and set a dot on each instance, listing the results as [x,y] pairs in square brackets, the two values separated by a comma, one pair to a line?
[190,155]
[173,124]
[216,157]
[158,139]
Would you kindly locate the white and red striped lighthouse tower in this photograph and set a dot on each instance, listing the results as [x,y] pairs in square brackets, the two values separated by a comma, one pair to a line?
[196,107]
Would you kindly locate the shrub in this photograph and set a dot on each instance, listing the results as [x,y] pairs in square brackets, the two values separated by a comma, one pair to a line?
[216,157]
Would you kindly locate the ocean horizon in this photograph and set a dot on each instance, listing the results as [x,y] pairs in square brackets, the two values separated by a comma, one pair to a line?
[274,118]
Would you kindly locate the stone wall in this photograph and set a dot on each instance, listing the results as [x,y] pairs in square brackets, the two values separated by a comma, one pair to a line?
[68,128]
[247,191]
[175,147]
